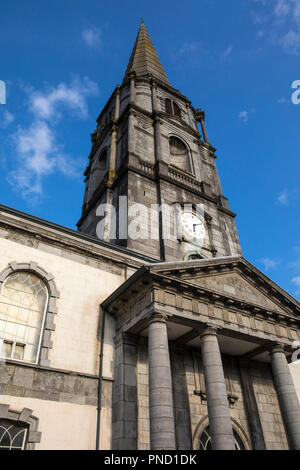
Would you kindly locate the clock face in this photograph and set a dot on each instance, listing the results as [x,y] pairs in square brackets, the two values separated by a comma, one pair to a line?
[193,228]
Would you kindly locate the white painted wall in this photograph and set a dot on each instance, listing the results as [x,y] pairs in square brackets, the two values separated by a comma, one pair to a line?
[64,426]
[82,288]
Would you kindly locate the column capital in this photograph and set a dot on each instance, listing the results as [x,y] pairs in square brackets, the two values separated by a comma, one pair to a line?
[276,347]
[125,338]
[115,126]
[132,75]
[209,330]
[157,317]
[200,115]
[157,120]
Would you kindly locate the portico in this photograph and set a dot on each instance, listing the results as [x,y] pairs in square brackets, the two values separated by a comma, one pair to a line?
[171,307]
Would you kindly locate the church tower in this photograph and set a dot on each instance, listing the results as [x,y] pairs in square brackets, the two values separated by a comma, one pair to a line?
[151,170]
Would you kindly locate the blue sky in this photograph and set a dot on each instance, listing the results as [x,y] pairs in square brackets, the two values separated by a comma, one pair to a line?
[236,59]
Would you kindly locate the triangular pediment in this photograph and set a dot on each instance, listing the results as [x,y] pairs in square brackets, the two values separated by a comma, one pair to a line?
[234,285]
[234,278]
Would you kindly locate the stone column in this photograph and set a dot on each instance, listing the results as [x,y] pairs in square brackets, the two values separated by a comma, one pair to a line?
[205,136]
[287,396]
[112,155]
[157,138]
[117,105]
[160,167]
[131,132]
[201,118]
[217,401]
[132,88]
[154,97]
[162,429]
[114,138]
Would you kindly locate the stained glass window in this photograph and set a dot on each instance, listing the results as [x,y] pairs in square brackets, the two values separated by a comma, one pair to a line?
[12,435]
[23,303]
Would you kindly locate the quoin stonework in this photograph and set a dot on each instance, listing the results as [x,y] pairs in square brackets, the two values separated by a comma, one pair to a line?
[137,341]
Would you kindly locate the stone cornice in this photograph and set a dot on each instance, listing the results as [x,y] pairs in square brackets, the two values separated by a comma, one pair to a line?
[63,237]
[224,300]
[159,277]
[159,83]
[133,108]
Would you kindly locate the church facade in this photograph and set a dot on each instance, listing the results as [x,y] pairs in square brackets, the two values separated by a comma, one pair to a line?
[146,328]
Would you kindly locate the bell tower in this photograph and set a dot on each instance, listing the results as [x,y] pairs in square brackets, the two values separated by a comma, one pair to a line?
[148,155]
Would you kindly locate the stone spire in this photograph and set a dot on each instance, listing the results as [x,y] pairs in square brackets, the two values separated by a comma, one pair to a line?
[144,59]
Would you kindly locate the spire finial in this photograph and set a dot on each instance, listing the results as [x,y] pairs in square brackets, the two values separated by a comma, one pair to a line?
[142,20]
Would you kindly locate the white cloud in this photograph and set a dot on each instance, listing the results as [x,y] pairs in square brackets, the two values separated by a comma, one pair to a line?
[296,282]
[38,155]
[92,37]
[289,196]
[296,263]
[283,198]
[225,54]
[38,152]
[189,48]
[291,42]
[7,118]
[282,7]
[244,115]
[46,105]
[188,54]
[281,19]
[269,263]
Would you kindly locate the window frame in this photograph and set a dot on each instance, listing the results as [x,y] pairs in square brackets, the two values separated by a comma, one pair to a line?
[17,343]
[192,169]
[172,108]
[48,326]
[26,418]
[25,437]
[238,442]
[237,428]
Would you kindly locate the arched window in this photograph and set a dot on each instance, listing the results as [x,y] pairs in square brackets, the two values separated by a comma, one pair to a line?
[205,440]
[12,435]
[172,107]
[23,304]
[179,154]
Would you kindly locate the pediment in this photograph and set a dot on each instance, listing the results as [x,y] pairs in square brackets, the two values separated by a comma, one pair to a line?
[234,285]
[234,278]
